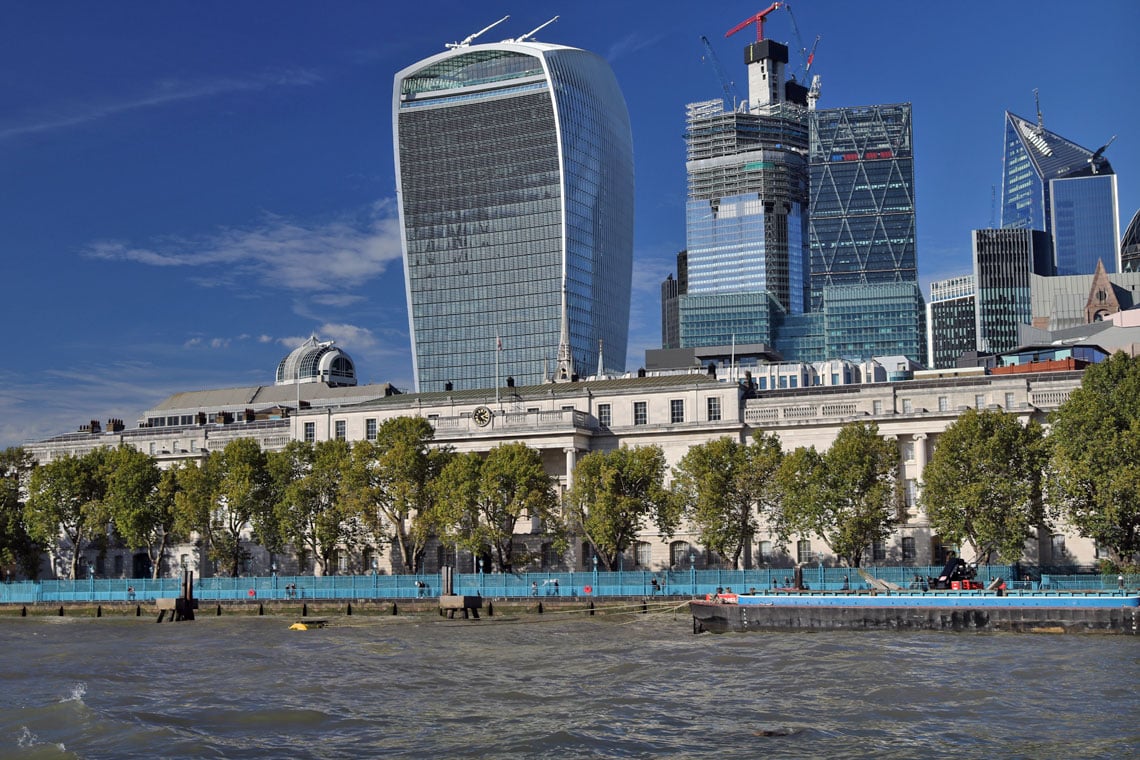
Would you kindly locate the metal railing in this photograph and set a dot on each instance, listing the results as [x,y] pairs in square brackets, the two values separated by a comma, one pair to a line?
[542,585]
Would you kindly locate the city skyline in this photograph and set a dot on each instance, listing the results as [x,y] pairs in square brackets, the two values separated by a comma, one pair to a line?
[191,190]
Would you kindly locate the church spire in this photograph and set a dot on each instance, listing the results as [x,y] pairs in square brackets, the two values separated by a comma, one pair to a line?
[564,373]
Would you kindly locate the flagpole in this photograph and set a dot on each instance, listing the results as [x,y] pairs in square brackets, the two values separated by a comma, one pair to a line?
[498,348]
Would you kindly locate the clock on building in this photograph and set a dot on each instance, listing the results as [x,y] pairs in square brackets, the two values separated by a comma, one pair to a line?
[481,416]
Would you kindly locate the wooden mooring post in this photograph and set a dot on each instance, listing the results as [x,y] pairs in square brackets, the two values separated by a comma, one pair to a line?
[182,606]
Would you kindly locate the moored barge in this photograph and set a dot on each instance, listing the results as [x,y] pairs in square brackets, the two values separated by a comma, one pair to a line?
[950,610]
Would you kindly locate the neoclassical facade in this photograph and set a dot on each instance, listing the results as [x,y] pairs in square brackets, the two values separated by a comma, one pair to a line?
[565,421]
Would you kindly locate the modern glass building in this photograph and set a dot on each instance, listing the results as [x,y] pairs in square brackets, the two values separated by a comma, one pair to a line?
[746,213]
[515,169]
[864,270]
[1052,184]
[862,197]
[951,324]
[1003,262]
[1130,246]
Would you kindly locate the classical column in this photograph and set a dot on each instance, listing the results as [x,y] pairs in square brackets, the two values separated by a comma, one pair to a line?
[571,460]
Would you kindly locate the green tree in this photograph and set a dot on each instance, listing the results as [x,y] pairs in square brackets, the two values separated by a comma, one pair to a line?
[615,495]
[1095,468]
[309,511]
[388,481]
[222,497]
[982,484]
[723,485]
[65,498]
[848,496]
[479,501]
[17,548]
[140,503]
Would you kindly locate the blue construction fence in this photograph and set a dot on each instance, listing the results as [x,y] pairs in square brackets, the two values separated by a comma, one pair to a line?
[591,584]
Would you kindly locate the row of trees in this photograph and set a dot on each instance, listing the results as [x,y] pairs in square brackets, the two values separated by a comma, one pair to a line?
[990,482]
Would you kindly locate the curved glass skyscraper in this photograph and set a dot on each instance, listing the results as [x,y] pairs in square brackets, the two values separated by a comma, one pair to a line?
[515,169]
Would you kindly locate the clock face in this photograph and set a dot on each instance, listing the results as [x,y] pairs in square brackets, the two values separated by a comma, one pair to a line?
[481,416]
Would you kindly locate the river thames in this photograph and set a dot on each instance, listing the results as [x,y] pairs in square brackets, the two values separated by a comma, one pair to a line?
[637,686]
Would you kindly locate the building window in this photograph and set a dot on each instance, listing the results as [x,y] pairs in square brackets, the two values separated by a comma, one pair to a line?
[340,430]
[908,550]
[550,558]
[1009,401]
[714,408]
[681,554]
[878,551]
[640,413]
[979,401]
[943,404]
[643,554]
[793,380]
[310,431]
[605,415]
[1058,547]
[911,493]
[370,429]
[783,381]
[908,407]
[676,410]
[908,451]
[764,551]
[342,563]
[876,408]
[803,551]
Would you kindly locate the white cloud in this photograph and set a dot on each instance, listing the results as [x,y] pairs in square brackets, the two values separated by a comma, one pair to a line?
[164,92]
[325,258]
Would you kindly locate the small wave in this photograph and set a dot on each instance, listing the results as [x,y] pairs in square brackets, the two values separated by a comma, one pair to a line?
[27,740]
[78,692]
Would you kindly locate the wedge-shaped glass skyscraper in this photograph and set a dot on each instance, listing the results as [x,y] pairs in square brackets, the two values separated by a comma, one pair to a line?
[515,170]
[1054,185]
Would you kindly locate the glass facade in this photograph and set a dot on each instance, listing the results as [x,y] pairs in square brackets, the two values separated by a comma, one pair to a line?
[950,319]
[745,222]
[862,197]
[515,169]
[1085,224]
[1003,262]
[722,320]
[1052,184]
[862,321]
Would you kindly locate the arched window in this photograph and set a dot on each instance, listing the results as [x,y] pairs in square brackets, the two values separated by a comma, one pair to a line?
[681,554]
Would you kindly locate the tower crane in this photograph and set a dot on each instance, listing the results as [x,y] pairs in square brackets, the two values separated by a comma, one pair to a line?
[805,54]
[758,19]
[726,84]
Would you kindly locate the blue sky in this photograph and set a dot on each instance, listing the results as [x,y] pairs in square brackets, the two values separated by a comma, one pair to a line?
[188,189]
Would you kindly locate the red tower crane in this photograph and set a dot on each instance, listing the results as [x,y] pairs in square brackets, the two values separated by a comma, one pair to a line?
[758,19]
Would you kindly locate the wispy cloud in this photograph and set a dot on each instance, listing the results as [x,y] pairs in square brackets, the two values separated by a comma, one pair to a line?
[630,44]
[325,258]
[165,92]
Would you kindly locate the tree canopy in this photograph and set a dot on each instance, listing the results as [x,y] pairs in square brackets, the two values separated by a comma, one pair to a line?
[1095,465]
[982,484]
[17,547]
[723,485]
[615,494]
[65,497]
[848,496]
[485,497]
[388,485]
[309,511]
[140,503]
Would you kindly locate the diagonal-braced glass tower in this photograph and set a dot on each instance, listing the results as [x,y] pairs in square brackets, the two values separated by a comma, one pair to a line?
[515,169]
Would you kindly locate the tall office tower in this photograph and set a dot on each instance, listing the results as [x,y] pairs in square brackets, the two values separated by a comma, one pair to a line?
[1130,246]
[1003,262]
[1054,185]
[746,214]
[862,232]
[951,324]
[671,292]
[515,173]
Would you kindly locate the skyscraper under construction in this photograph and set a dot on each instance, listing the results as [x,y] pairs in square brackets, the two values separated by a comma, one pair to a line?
[746,213]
